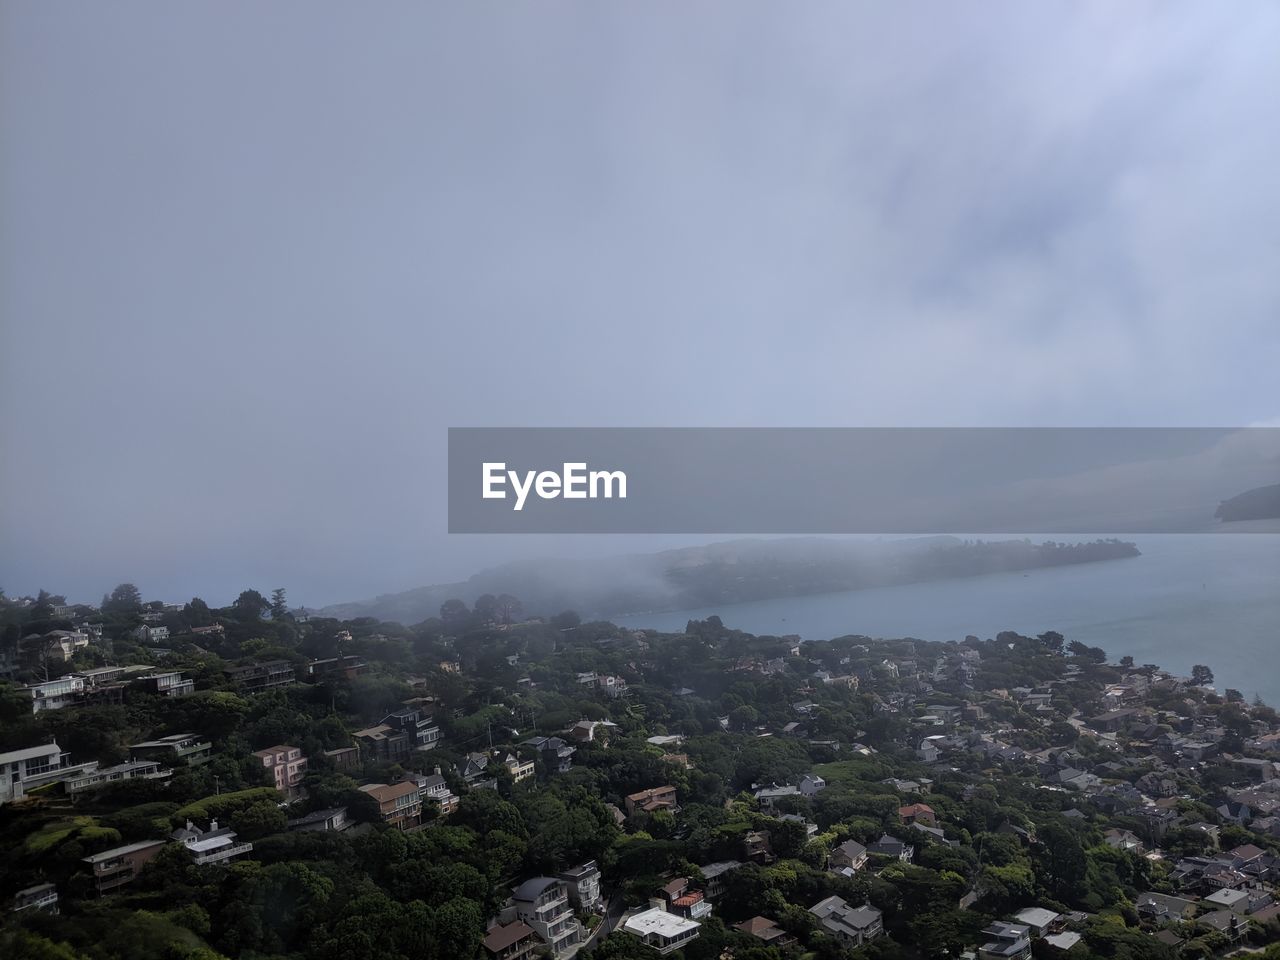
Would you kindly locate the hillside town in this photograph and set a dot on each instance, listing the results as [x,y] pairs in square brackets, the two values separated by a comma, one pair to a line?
[178,780]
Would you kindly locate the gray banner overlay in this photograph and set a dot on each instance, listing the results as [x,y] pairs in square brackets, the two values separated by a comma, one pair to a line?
[856,480]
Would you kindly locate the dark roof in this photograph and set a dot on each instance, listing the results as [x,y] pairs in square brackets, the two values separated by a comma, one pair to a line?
[499,938]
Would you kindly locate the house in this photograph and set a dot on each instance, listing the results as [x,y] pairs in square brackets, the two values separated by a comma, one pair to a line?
[766,931]
[664,932]
[849,857]
[384,743]
[512,941]
[131,770]
[556,753]
[519,769]
[588,731]
[1225,922]
[680,900]
[756,846]
[583,884]
[266,675]
[473,768]
[1040,921]
[716,877]
[543,903]
[115,867]
[851,926]
[918,813]
[1162,908]
[349,666]
[344,758]
[43,896]
[217,845]
[1007,941]
[400,804]
[423,732]
[653,800]
[811,784]
[22,771]
[1123,840]
[770,795]
[1227,899]
[329,820]
[54,694]
[166,684]
[888,846]
[177,749]
[287,766]
[435,788]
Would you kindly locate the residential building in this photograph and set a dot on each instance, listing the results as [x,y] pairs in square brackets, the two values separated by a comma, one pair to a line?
[177,749]
[24,770]
[55,694]
[344,758]
[115,867]
[131,770]
[329,820]
[918,813]
[399,803]
[435,788]
[519,769]
[653,800]
[888,846]
[811,784]
[663,931]
[543,903]
[556,753]
[583,884]
[217,845]
[43,896]
[767,932]
[717,876]
[169,683]
[684,901]
[852,926]
[424,732]
[349,666]
[511,941]
[150,633]
[756,846]
[287,766]
[384,743]
[849,857]
[267,675]
[1039,921]
[1007,941]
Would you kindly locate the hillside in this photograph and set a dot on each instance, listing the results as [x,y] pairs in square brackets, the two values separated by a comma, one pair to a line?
[731,572]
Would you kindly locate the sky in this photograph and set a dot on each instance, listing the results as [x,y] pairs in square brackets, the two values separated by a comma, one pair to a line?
[255,259]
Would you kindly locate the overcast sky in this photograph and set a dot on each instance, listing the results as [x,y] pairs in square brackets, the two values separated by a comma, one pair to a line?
[255,258]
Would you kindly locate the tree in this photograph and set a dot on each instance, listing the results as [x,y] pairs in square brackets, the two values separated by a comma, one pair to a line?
[250,606]
[1201,676]
[486,608]
[279,607]
[454,611]
[198,613]
[124,601]
[259,819]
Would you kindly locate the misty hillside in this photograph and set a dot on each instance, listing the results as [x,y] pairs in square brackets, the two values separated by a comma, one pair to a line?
[1262,503]
[730,572]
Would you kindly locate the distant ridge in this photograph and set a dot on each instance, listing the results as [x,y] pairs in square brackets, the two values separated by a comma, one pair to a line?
[1260,503]
[730,572]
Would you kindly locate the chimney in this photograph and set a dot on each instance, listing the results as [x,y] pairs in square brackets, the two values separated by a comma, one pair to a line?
[213,825]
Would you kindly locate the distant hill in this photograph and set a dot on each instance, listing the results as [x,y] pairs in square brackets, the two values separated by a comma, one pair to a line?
[730,572]
[1261,503]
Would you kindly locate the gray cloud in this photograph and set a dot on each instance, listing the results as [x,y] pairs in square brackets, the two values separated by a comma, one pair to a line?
[256,258]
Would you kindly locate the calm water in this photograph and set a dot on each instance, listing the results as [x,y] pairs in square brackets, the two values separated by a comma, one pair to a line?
[1189,599]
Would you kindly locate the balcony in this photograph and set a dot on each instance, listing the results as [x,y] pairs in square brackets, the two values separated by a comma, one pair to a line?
[223,854]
